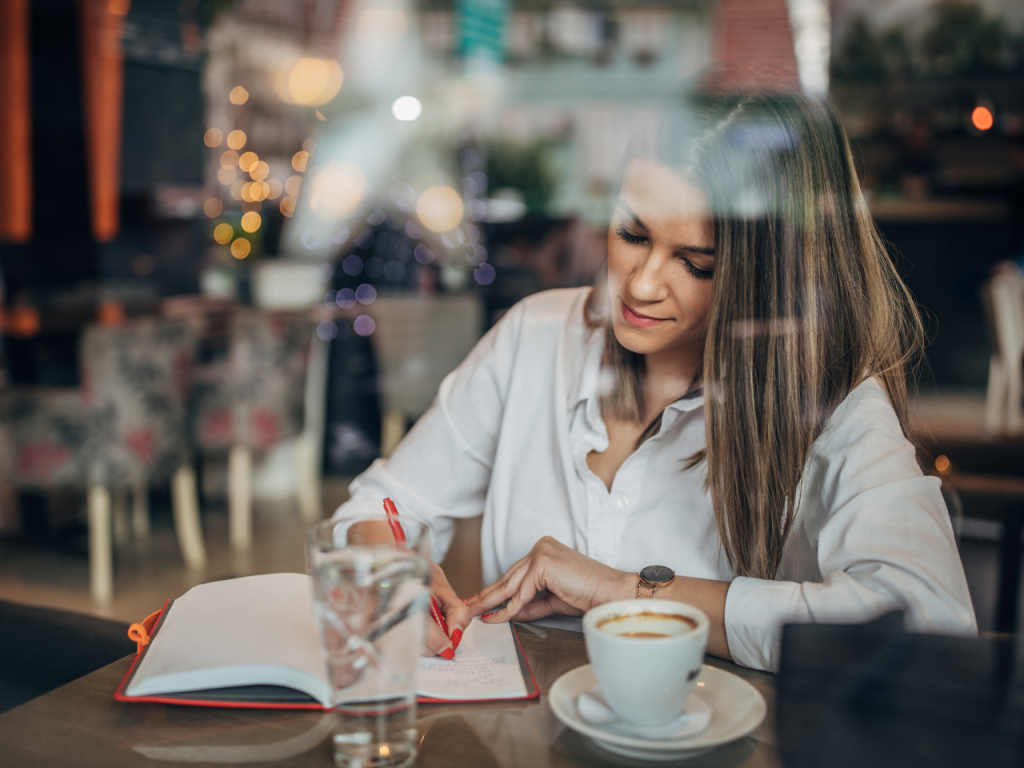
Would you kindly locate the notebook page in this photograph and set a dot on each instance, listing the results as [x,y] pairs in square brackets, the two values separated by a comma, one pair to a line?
[486,666]
[257,629]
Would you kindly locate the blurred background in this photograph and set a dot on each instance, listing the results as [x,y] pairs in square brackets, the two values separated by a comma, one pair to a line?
[242,242]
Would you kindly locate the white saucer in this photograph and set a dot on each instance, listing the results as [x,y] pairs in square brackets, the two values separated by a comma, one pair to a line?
[736,709]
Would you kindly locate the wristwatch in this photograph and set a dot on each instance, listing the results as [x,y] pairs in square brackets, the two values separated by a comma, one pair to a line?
[652,577]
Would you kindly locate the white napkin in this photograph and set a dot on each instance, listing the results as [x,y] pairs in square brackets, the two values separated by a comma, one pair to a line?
[593,707]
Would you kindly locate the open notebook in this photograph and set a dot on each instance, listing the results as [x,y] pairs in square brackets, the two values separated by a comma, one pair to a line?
[253,642]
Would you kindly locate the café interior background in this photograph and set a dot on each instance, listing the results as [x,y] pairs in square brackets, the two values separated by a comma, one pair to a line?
[282,222]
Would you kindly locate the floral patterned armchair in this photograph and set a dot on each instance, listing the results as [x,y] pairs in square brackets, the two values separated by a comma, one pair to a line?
[125,429]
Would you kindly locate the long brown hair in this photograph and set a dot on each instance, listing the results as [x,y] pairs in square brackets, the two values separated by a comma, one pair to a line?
[806,305]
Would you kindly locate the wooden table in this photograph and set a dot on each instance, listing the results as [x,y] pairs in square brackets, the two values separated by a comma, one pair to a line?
[81,725]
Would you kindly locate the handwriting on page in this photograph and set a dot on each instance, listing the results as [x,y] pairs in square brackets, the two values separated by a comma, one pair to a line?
[472,674]
[485,667]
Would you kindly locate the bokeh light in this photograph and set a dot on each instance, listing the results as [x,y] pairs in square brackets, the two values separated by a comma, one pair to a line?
[260,171]
[406,108]
[213,137]
[247,161]
[352,265]
[236,139]
[238,95]
[366,294]
[484,274]
[309,145]
[943,465]
[251,221]
[423,254]
[274,188]
[313,82]
[228,158]
[293,184]
[440,209]
[240,248]
[299,160]
[363,325]
[223,233]
[982,118]
[339,188]
[394,270]
[326,330]
[213,207]
[345,298]
[236,189]
[226,175]
[288,205]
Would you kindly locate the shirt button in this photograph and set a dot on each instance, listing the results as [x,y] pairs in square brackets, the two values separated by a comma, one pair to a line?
[622,502]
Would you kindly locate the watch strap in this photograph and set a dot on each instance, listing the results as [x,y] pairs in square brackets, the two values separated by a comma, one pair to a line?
[645,590]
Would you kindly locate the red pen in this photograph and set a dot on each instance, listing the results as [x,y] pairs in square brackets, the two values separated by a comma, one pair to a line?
[396,529]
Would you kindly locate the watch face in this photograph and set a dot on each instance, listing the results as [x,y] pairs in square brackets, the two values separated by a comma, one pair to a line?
[657,574]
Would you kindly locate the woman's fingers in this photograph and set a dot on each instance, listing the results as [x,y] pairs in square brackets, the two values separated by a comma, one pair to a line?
[528,589]
[457,616]
[500,591]
[436,642]
[535,609]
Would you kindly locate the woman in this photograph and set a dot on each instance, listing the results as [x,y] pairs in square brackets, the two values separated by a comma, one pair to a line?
[731,405]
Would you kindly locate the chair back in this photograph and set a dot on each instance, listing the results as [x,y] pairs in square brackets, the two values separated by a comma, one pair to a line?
[135,384]
[255,397]
[1003,297]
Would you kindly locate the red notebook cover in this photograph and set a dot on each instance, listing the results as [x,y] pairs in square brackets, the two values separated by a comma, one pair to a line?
[266,696]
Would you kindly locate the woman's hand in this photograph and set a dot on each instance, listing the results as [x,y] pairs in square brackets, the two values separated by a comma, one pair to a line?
[552,578]
[456,614]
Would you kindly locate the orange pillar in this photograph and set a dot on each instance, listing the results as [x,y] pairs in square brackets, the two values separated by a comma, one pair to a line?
[15,123]
[103,91]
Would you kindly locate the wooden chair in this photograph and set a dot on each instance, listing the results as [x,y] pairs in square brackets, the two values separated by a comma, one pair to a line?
[1003,297]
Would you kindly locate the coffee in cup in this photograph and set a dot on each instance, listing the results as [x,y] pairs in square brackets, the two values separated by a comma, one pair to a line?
[646,656]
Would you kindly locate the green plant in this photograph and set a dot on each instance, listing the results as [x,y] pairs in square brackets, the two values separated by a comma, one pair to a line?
[524,167]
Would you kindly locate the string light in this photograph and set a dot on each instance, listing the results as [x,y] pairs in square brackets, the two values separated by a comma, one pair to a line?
[982,118]
[240,248]
[251,221]
[223,233]
[213,207]
[213,137]
[247,161]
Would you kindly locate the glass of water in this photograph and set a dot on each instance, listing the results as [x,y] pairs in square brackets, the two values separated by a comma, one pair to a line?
[371,595]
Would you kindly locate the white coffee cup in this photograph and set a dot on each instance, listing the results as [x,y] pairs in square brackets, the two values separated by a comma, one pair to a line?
[646,655]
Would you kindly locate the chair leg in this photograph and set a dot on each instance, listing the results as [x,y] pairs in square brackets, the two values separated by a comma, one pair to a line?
[995,398]
[140,511]
[119,513]
[1014,393]
[240,498]
[101,555]
[307,479]
[186,517]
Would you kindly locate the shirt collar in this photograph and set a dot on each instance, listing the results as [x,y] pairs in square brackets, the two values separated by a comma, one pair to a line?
[586,380]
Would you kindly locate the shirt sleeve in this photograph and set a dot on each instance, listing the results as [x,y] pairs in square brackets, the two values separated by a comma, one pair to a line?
[881,536]
[442,468]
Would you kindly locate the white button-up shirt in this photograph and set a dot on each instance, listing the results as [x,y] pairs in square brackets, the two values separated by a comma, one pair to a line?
[508,437]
